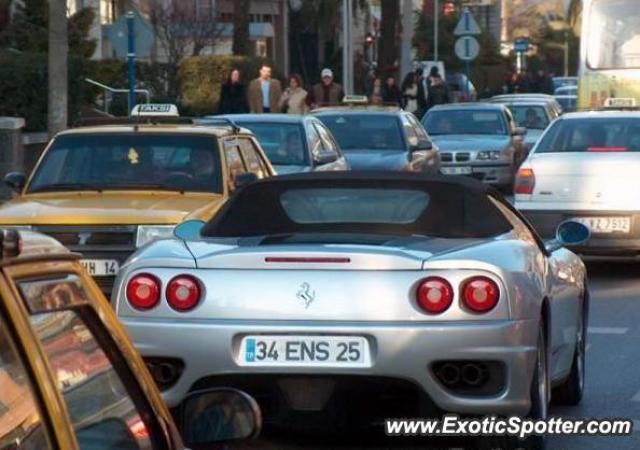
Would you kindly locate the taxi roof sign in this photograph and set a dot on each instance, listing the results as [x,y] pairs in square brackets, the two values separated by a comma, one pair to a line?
[355,99]
[155,110]
[619,102]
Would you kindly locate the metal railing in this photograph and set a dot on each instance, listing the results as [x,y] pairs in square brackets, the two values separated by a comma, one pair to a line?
[108,92]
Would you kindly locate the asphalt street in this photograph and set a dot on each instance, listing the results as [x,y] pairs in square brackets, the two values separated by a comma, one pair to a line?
[613,372]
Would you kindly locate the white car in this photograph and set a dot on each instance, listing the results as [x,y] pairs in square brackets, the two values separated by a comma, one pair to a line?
[586,166]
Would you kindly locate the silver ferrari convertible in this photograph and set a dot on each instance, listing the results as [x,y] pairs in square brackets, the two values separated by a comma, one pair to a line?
[340,297]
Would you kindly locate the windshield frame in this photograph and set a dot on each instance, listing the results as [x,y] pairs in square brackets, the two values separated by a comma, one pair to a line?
[394,117]
[217,188]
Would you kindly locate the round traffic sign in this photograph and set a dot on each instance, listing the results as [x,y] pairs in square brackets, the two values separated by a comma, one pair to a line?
[467,48]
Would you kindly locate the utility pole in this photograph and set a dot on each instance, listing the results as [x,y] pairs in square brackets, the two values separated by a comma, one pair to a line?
[436,19]
[131,60]
[57,70]
[347,50]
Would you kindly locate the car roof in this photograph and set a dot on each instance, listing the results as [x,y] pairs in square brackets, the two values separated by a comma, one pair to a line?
[214,130]
[358,109]
[261,118]
[608,114]
[473,106]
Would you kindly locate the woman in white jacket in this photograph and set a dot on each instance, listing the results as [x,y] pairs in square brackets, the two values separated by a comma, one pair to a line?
[293,100]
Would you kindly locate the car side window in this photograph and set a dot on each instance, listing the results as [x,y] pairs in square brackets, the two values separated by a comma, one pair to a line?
[328,144]
[21,423]
[521,229]
[108,410]
[423,137]
[409,131]
[235,164]
[315,144]
[252,158]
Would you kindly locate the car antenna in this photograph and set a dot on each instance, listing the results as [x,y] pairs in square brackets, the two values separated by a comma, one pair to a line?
[234,126]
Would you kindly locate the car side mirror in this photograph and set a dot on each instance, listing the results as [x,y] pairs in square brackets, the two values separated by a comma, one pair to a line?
[15,180]
[217,415]
[569,233]
[244,178]
[519,131]
[189,230]
[322,158]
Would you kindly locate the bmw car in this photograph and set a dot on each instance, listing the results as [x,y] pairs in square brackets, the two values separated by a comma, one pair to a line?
[344,297]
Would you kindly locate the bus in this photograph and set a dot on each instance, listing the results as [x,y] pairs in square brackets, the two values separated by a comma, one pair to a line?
[609,52]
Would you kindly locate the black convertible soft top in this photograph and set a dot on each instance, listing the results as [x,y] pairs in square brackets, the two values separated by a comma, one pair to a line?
[395,203]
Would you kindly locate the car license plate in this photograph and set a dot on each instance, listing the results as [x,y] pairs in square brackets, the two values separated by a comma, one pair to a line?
[606,224]
[101,267]
[305,351]
[456,170]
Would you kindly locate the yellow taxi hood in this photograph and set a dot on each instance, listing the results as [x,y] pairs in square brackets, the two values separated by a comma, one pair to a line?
[108,207]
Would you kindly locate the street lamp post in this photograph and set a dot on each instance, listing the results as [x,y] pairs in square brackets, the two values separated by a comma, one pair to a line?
[131,60]
[436,18]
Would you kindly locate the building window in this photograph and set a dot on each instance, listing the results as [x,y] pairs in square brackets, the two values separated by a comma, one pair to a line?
[204,9]
[261,48]
[226,17]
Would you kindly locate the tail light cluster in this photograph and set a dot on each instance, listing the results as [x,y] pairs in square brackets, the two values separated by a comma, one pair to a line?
[477,294]
[183,292]
[525,181]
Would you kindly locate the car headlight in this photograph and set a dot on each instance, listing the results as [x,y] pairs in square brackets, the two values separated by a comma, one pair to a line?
[490,155]
[149,233]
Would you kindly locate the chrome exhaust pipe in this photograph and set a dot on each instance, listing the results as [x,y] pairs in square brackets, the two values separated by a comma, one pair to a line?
[449,374]
[164,373]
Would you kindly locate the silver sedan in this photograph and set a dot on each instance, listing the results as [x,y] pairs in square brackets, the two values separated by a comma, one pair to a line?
[396,293]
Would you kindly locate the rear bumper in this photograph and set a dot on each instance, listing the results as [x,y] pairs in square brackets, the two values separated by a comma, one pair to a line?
[399,351]
[494,174]
[603,244]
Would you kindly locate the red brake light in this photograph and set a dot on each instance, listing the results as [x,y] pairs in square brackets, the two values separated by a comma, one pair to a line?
[434,295]
[525,181]
[183,293]
[480,294]
[143,291]
[607,149]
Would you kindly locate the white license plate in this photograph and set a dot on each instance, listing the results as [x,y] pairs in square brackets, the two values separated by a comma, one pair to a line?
[456,170]
[101,267]
[305,351]
[606,224]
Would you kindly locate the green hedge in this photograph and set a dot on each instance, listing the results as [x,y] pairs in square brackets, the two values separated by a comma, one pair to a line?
[23,88]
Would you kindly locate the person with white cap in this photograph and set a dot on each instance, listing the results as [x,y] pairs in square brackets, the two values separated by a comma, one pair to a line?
[327,92]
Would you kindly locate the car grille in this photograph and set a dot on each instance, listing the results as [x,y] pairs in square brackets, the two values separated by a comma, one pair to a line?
[458,156]
[446,157]
[96,242]
[462,156]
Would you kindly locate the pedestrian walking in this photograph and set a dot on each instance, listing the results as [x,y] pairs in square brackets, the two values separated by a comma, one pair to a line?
[264,93]
[233,95]
[410,92]
[327,92]
[423,92]
[294,98]
[438,91]
[390,92]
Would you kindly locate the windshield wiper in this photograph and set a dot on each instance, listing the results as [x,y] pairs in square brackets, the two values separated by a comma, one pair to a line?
[67,187]
[151,186]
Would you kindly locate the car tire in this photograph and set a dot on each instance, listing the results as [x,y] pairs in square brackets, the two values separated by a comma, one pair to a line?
[540,394]
[570,392]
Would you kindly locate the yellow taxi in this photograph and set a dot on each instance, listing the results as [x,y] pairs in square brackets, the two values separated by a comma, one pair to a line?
[70,377]
[106,190]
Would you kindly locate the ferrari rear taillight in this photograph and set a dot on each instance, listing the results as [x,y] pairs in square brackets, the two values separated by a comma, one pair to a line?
[143,291]
[434,295]
[480,294]
[525,181]
[183,293]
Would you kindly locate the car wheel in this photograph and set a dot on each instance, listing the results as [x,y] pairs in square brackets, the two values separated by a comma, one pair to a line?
[540,394]
[571,390]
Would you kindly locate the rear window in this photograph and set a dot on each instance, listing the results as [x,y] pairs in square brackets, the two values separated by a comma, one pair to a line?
[360,206]
[592,135]
[282,142]
[465,122]
[533,117]
[398,206]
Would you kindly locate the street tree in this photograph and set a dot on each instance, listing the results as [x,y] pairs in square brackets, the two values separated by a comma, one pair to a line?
[241,36]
